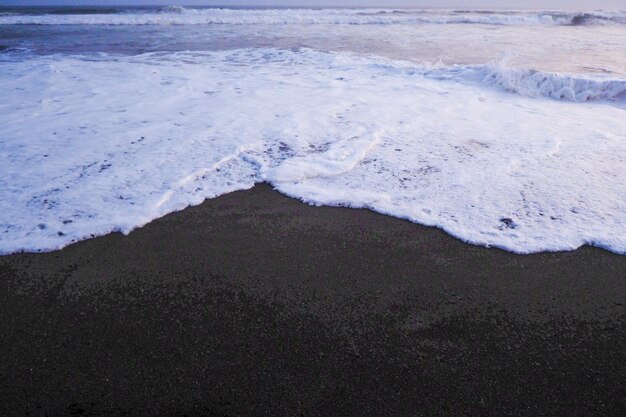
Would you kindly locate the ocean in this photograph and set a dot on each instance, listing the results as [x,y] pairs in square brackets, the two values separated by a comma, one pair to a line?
[505,128]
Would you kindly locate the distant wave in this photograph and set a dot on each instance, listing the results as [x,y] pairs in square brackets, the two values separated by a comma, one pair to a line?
[177,9]
[590,18]
[177,15]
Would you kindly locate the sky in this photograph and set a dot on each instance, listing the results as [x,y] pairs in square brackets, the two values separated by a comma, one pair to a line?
[542,4]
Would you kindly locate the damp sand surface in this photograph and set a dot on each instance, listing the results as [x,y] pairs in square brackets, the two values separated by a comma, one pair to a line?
[253,303]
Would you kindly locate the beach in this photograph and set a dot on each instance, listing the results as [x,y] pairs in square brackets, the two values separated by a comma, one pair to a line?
[271,211]
[253,303]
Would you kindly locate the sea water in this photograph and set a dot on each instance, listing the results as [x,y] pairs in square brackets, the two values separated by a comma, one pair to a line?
[504,128]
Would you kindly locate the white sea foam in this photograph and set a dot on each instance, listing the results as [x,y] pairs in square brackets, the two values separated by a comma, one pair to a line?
[176,15]
[533,83]
[100,144]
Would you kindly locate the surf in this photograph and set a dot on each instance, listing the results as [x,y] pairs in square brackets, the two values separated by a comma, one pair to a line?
[526,174]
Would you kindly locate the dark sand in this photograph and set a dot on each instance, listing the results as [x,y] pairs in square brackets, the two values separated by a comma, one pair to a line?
[256,304]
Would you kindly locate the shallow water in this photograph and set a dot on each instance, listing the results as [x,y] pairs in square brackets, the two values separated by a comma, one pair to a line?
[505,129]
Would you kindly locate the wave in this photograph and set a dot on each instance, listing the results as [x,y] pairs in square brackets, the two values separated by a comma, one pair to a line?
[590,18]
[178,15]
[177,9]
[524,82]
[568,87]
[534,83]
[437,146]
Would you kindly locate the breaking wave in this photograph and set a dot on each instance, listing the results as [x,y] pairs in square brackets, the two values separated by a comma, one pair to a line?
[534,83]
[178,15]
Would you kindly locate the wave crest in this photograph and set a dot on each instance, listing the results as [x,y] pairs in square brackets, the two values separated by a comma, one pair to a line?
[533,83]
[178,15]
[177,10]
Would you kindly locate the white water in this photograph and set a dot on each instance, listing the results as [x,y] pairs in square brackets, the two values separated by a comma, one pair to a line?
[96,144]
[191,16]
[533,83]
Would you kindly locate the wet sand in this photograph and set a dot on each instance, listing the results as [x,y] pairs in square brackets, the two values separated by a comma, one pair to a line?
[256,304]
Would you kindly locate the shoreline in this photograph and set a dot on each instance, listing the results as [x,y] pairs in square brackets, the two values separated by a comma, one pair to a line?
[254,303]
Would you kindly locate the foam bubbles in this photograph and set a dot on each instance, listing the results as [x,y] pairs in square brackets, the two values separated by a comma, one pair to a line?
[109,143]
[533,83]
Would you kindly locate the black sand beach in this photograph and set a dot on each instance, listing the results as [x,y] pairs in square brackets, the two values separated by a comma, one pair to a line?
[255,304]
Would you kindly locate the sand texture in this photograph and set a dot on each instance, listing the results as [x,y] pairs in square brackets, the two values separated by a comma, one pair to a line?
[255,304]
